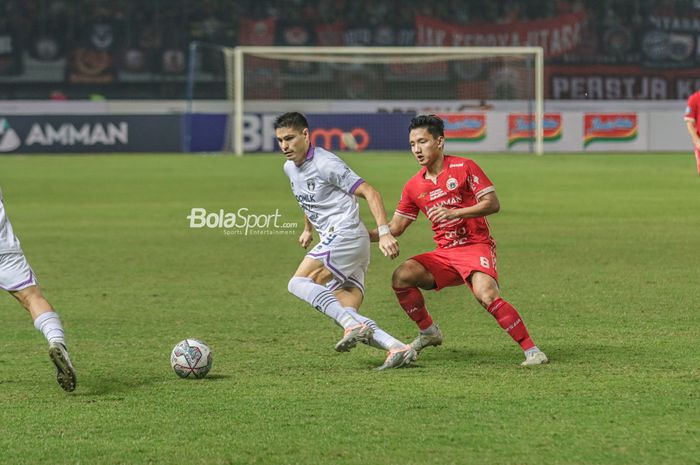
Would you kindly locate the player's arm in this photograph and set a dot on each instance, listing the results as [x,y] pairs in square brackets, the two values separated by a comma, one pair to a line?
[307,235]
[387,242]
[693,131]
[487,204]
[397,226]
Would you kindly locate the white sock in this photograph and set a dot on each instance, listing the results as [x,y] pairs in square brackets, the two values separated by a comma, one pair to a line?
[432,329]
[321,299]
[532,350]
[50,326]
[381,339]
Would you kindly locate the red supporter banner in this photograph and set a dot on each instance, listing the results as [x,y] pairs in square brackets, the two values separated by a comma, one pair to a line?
[521,127]
[609,127]
[257,31]
[556,36]
[464,127]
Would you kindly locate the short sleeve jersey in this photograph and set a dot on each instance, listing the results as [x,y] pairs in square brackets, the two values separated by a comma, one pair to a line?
[8,241]
[460,184]
[324,186]
[693,108]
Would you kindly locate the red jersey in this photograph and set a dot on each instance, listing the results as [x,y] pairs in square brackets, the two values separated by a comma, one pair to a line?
[693,107]
[460,184]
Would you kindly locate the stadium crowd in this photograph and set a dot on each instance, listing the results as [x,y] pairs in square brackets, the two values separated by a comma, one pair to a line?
[130,43]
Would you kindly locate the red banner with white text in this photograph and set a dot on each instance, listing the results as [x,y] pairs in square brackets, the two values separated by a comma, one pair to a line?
[556,35]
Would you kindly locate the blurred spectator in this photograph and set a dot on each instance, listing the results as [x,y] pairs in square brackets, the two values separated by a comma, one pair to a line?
[130,42]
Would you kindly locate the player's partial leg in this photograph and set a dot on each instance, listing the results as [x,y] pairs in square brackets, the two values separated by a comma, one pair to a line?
[47,321]
[697,160]
[486,291]
[398,354]
[406,281]
[307,285]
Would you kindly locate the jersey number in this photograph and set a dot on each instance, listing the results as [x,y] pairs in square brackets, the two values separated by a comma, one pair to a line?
[329,238]
[485,262]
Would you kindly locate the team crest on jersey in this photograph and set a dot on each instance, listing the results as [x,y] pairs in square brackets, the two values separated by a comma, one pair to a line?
[310,184]
[452,184]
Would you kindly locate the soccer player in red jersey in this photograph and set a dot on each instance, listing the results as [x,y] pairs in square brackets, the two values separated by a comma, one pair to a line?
[691,121]
[456,195]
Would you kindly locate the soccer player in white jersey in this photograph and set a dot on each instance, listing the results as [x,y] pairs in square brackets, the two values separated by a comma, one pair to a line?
[331,276]
[17,277]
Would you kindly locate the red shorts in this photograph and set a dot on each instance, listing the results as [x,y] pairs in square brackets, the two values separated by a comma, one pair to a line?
[452,267]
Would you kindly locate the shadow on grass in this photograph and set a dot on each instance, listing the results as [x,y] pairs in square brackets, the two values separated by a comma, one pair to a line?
[114,385]
[571,354]
[104,384]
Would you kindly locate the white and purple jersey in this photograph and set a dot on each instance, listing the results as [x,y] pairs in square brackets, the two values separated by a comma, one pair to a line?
[324,186]
[8,241]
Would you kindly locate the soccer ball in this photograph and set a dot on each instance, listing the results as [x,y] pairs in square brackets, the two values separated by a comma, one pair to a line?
[191,357]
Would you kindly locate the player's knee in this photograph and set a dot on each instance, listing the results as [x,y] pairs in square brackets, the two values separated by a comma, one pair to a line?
[405,275]
[486,296]
[294,283]
[32,299]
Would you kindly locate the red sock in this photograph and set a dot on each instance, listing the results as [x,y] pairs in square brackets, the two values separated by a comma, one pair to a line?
[508,317]
[411,300]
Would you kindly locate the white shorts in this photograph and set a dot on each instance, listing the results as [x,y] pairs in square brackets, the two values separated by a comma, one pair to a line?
[346,257]
[15,272]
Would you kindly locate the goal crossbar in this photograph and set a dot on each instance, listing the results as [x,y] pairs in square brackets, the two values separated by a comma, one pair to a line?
[381,55]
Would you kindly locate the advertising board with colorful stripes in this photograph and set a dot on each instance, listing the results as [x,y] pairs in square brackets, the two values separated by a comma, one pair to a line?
[609,127]
[464,127]
[521,127]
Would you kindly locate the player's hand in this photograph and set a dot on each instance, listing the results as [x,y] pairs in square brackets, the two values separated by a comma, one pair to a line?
[440,214]
[389,246]
[306,238]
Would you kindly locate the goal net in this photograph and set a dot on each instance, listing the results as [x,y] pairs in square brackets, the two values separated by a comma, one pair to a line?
[463,85]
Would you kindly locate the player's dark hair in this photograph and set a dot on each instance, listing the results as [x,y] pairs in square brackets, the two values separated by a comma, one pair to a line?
[432,123]
[292,120]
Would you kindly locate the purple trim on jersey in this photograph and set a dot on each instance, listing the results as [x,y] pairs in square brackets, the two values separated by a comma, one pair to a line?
[310,152]
[356,185]
[327,261]
[17,287]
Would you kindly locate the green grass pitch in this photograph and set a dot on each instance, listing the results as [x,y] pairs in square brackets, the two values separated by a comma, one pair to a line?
[599,253]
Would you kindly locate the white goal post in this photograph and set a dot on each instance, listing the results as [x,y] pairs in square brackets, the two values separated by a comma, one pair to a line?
[523,66]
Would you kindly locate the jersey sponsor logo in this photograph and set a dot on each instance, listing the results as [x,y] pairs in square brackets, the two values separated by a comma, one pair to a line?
[609,127]
[521,127]
[464,127]
[437,193]
[451,201]
[456,233]
[452,184]
[456,165]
